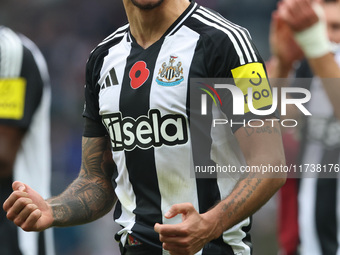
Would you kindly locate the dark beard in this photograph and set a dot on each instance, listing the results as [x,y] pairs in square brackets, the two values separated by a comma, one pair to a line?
[147,6]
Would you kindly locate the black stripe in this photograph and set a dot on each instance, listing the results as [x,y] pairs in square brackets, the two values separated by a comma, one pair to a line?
[9,244]
[233,33]
[118,211]
[240,30]
[180,19]
[247,238]
[217,246]
[200,127]
[93,74]
[201,141]
[118,31]
[141,162]
[325,210]
[42,244]
[118,208]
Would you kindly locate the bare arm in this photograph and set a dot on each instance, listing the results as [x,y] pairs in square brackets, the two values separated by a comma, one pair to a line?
[10,140]
[264,146]
[328,70]
[89,197]
[261,146]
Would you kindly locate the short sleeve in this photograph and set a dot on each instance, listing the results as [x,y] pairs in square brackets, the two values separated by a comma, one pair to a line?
[248,75]
[93,126]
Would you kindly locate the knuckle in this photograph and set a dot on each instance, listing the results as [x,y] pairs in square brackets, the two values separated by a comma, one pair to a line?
[36,214]
[21,201]
[31,207]
[18,221]
[166,247]
[5,206]
[25,227]
[161,238]
[185,231]
[185,244]
[10,216]
[17,194]
[190,205]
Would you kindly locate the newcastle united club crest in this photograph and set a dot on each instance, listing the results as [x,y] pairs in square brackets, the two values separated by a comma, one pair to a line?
[170,74]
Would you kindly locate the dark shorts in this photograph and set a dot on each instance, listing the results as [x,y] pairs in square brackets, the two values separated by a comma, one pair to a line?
[146,249]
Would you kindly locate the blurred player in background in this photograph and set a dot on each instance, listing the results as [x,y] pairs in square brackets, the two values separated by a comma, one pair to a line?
[311,29]
[24,135]
[138,147]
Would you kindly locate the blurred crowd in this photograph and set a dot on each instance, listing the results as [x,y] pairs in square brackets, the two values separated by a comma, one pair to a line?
[66,32]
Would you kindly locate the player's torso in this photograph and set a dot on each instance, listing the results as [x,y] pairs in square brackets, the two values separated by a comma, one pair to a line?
[147,90]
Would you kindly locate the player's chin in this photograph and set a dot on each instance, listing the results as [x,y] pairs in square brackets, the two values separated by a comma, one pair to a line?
[147,4]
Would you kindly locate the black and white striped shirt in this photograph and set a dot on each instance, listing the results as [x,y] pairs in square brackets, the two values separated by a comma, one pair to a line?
[142,97]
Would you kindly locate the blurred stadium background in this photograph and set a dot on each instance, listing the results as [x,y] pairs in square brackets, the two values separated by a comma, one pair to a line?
[66,31]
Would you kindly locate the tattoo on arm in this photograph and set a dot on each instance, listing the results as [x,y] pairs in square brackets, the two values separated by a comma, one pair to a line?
[264,130]
[91,195]
[245,189]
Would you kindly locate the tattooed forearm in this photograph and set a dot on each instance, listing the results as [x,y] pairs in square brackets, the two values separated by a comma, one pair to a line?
[261,146]
[91,195]
[247,197]
[243,191]
[264,130]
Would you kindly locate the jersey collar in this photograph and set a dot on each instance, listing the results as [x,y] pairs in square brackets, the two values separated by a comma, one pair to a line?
[176,25]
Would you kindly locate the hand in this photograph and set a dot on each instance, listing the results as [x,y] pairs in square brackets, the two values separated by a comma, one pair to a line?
[298,14]
[189,236]
[27,209]
[283,45]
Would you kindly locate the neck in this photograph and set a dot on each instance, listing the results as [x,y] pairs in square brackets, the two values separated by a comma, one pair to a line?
[148,26]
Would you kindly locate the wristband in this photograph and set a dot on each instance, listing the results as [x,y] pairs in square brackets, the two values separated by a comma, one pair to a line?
[335,47]
[314,40]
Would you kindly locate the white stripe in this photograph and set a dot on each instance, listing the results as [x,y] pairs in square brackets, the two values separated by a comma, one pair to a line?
[126,196]
[38,57]
[230,35]
[116,58]
[16,49]
[236,33]
[310,243]
[225,150]
[173,165]
[116,32]
[186,16]
[114,35]
[308,234]
[241,35]
[11,53]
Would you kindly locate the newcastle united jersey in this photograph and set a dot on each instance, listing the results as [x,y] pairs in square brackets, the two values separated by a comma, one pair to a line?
[142,98]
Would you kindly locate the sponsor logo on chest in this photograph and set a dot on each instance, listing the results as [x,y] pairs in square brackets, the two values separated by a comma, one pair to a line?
[148,131]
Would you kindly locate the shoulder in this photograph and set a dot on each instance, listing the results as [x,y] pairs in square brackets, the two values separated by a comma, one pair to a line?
[110,41]
[210,23]
[221,34]
[18,53]
[7,35]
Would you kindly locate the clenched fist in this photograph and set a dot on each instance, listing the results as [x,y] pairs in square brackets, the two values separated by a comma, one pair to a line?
[27,209]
